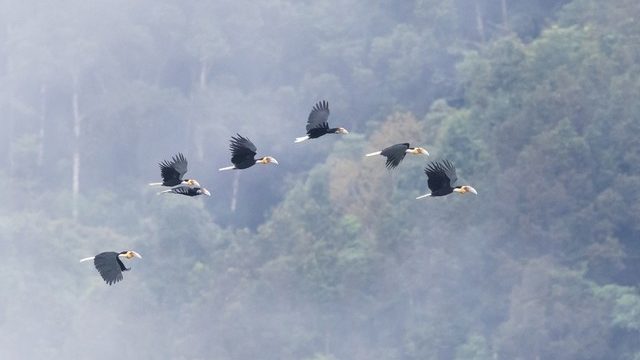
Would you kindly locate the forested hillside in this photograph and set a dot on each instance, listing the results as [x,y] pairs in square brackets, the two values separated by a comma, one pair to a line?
[328,255]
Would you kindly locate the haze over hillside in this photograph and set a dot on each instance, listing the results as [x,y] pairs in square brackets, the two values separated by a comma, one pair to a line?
[328,255]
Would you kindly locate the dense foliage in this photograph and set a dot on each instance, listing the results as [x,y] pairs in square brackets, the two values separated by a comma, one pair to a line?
[328,256]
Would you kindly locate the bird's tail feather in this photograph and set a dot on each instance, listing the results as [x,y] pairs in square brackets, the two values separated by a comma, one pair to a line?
[155,184]
[227,168]
[374,153]
[164,192]
[423,196]
[301,139]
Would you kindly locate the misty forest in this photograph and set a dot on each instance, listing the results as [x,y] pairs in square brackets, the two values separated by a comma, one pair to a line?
[328,255]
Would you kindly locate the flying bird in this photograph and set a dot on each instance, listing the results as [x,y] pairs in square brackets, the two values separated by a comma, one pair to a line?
[396,153]
[441,178]
[173,171]
[243,154]
[317,124]
[186,190]
[110,266]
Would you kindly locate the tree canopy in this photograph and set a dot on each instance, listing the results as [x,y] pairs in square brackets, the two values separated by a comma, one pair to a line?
[328,256]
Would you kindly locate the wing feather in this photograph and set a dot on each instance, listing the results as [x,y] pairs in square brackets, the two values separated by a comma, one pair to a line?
[441,175]
[242,149]
[319,116]
[450,171]
[185,190]
[395,154]
[107,265]
[180,163]
[173,171]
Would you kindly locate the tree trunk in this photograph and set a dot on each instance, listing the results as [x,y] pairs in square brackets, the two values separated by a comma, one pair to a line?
[11,127]
[199,144]
[9,115]
[505,15]
[193,136]
[77,121]
[234,193]
[204,69]
[479,21]
[326,341]
[43,121]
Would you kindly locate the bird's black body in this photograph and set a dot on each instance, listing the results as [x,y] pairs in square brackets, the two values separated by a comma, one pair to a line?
[395,154]
[441,177]
[243,152]
[186,190]
[317,123]
[173,171]
[110,266]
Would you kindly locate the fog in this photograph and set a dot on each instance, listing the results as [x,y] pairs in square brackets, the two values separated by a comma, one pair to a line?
[327,255]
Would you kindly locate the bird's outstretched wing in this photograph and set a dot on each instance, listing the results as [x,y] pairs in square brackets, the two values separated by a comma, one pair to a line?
[242,149]
[440,175]
[108,267]
[183,190]
[319,116]
[450,171]
[173,171]
[395,154]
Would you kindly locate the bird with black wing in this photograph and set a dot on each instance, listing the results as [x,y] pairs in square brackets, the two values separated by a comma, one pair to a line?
[110,265]
[318,123]
[396,153]
[173,171]
[243,154]
[186,191]
[441,177]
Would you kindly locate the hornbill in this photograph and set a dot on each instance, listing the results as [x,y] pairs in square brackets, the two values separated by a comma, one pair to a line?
[173,171]
[396,153]
[317,124]
[187,191]
[110,266]
[243,154]
[441,177]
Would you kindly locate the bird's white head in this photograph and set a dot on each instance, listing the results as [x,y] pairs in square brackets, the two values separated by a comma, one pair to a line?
[465,189]
[191,183]
[419,151]
[342,131]
[267,160]
[130,254]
